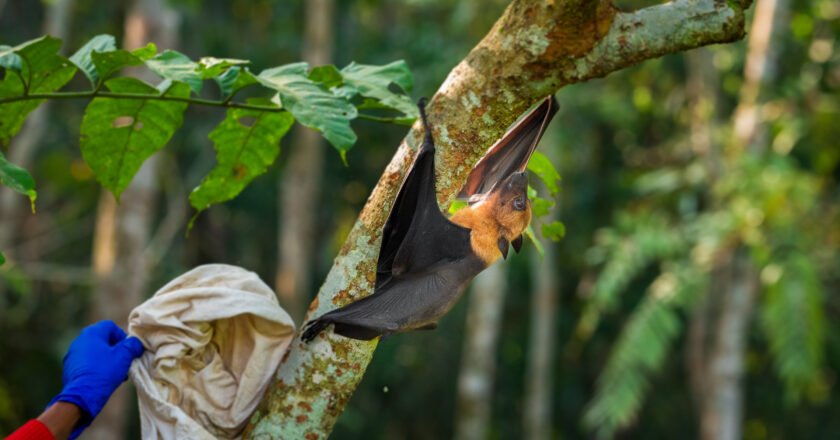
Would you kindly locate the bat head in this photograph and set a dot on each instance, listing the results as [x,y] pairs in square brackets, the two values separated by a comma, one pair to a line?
[499,182]
[510,205]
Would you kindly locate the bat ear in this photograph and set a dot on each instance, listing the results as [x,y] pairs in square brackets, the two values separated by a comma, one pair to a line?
[517,243]
[503,246]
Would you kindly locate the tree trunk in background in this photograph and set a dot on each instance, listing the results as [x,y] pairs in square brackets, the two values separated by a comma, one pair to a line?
[301,179]
[539,383]
[478,356]
[123,231]
[750,129]
[703,82]
[26,143]
[702,88]
[722,417]
[722,413]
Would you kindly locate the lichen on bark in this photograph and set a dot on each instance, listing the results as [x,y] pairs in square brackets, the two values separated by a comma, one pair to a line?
[533,50]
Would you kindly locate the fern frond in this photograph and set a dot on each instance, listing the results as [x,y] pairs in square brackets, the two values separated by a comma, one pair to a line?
[640,241]
[641,350]
[793,320]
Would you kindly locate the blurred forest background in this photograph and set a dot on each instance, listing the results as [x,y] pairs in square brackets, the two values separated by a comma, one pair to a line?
[698,274]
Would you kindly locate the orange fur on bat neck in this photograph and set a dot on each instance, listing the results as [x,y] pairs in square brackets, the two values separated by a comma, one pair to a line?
[488,221]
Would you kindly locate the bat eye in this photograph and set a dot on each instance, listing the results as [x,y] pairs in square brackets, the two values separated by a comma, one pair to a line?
[519,203]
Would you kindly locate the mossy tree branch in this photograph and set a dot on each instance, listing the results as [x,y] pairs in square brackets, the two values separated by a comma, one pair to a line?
[533,50]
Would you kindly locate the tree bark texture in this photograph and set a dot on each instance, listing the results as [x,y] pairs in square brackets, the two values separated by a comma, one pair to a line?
[722,405]
[478,356]
[534,49]
[123,231]
[23,148]
[300,183]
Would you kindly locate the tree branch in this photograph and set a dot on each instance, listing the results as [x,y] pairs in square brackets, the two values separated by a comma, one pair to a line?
[226,103]
[119,95]
[533,50]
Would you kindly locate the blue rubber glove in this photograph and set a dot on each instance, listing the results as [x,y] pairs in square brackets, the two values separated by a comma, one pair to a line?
[94,366]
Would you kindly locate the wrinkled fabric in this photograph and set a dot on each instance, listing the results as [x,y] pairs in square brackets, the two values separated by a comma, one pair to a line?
[215,336]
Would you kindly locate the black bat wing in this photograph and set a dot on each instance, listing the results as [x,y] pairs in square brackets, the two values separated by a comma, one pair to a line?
[418,262]
[407,302]
[512,152]
[417,235]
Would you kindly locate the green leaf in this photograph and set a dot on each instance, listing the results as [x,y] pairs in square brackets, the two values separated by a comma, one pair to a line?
[541,206]
[2,259]
[45,70]
[18,179]
[176,66]
[118,135]
[327,75]
[42,71]
[457,205]
[311,105]
[643,239]
[554,231]
[145,52]
[375,81]
[108,63]
[234,79]
[9,60]
[641,349]
[210,67]
[798,345]
[529,232]
[82,58]
[544,169]
[247,142]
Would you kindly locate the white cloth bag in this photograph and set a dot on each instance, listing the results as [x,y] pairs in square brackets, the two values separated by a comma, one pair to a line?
[214,337]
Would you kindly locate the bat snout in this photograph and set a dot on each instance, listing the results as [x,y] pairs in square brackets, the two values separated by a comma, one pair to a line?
[517,182]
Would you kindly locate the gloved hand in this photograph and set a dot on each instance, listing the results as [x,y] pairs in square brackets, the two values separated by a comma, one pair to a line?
[94,366]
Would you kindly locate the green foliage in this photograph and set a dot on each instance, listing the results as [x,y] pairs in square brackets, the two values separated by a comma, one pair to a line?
[311,105]
[176,66]
[529,233]
[641,349]
[246,143]
[793,318]
[32,67]
[233,80]
[18,179]
[544,169]
[457,205]
[328,75]
[374,81]
[554,231]
[83,60]
[541,207]
[759,203]
[125,125]
[639,241]
[2,259]
[118,135]
[211,67]
[108,63]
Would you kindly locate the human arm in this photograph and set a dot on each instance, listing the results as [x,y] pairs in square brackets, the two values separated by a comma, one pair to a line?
[95,365]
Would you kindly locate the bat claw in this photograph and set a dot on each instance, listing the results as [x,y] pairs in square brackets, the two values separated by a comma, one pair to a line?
[313,329]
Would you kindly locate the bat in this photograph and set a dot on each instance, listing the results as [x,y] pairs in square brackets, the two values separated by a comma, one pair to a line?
[426,260]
